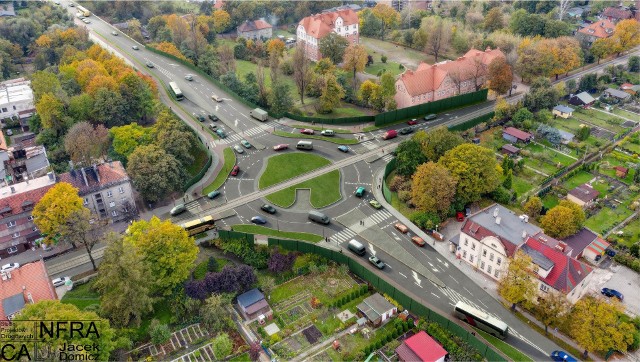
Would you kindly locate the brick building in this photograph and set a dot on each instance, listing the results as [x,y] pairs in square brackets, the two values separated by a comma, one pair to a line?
[28,284]
[313,28]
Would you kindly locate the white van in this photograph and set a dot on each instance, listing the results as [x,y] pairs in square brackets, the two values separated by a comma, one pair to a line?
[304,145]
[328,133]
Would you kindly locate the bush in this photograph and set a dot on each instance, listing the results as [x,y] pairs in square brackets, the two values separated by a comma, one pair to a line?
[159,333]
[383,58]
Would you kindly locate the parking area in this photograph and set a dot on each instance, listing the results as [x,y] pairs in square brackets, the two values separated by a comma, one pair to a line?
[622,279]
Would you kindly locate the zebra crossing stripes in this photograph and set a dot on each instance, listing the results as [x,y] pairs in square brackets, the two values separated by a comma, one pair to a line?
[380,216]
[387,158]
[342,236]
[370,145]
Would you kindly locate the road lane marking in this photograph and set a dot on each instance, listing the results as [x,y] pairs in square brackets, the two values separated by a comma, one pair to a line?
[435,295]
[454,279]
[402,274]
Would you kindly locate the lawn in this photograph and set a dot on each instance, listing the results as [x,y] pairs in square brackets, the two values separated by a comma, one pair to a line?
[229,162]
[578,179]
[603,120]
[625,113]
[606,168]
[322,128]
[289,165]
[391,67]
[550,200]
[82,296]
[244,357]
[511,352]
[200,158]
[607,218]
[325,190]
[396,53]
[315,284]
[631,232]
[336,140]
[541,165]
[550,155]
[244,67]
[633,147]
[346,110]
[521,186]
[261,230]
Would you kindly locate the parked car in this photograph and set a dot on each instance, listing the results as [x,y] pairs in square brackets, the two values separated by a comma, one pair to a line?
[235,170]
[238,149]
[562,356]
[377,262]
[188,77]
[114,33]
[460,216]
[9,267]
[406,130]
[280,147]
[86,21]
[268,208]
[412,122]
[213,127]
[307,131]
[258,220]
[214,118]
[430,117]
[178,209]
[58,282]
[9,132]
[418,240]
[344,149]
[213,194]
[401,228]
[246,144]
[375,204]
[612,293]
[135,47]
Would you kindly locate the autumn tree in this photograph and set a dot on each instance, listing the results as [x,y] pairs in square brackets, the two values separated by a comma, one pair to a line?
[626,35]
[438,39]
[494,20]
[596,325]
[83,228]
[433,188]
[389,18]
[355,59]
[301,70]
[333,46]
[275,46]
[367,89]
[54,209]
[151,240]
[85,143]
[533,207]
[221,20]
[171,49]
[563,220]
[500,75]
[517,285]
[602,48]
[437,142]
[154,172]
[123,277]
[331,95]
[566,53]
[51,112]
[552,309]
[475,169]
[126,139]
[408,157]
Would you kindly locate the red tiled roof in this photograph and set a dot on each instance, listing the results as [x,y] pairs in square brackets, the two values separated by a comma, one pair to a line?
[27,198]
[621,169]
[566,273]
[600,29]
[320,25]
[35,280]
[585,193]
[521,135]
[510,148]
[598,246]
[425,347]
[626,86]
[105,175]
[253,26]
[617,13]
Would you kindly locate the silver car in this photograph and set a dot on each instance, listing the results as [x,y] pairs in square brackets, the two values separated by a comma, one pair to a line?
[238,149]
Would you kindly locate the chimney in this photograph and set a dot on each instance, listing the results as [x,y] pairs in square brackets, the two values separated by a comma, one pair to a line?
[26,178]
[84,176]
[498,220]
[488,49]
[524,234]
[13,190]
[95,170]
[30,298]
[71,165]
[495,212]
[51,177]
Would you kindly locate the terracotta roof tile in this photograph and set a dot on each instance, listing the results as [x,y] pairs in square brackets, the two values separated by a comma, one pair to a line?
[105,175]
[320,25]
[600,29]
[253,26]
[617,13]
[521,135]
[34,278]
[26,199]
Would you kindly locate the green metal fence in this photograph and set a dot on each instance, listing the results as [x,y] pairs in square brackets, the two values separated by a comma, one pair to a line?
[387,170]
[230,234]
[342,120]
[472,122]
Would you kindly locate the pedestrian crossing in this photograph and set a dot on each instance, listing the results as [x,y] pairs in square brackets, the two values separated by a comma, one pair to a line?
[380,216]
[236,137]
[387,158]
[343,236]
[370,145]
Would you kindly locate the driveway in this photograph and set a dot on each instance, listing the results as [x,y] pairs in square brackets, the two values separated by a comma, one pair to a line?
[622,279]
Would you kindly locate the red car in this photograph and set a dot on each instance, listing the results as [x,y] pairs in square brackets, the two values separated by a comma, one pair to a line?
[412,122]
[306,131]
[460,216]
[280,147]
[235,170]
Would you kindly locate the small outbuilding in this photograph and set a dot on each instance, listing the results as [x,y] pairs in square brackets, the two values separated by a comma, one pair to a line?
[252,304]
[583,99]
[621,172]
[562,111]
[515,135]
[617,94]
[510,149]
[421,347]
[377,309]
[583,195]
[566,136]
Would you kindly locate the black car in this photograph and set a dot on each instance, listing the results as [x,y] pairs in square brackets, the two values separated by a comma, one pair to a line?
[406,130]
[213,117]
[200,117]
[268,208]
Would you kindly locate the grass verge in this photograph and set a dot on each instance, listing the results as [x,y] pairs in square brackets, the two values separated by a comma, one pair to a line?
[390,67]
[256,229]
[289,165]
[229,161]
[199,160]
[325,190]
[317,128]
[512,353]
[336,140]
[82,296]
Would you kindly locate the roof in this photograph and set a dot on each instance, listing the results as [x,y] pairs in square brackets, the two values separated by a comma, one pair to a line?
[16,90]
[509,231]
[585,98]
[89,179]
[617,13]
[29,280]
[598,246]
[521,135]
[256,306]
[561,246]
[249,298]
[32,184]
[13,304]
[374,306]
[320,25]
[584,193]
[568,136]
[580,240]
[510,148]
[626,86]
[427,78]
[621,169]
[600,29]
[563,109]
[22,202]
[617,93]
[537,257]
[254,25]
[7,9]
[566,273]
[420,347]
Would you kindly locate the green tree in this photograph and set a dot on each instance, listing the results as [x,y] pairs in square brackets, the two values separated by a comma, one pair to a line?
[388,90]
[152,240]
[433,188]
[222,346]
[173,136]
[81,107]
[154,172]
[409,156]
[634,64]
[596,325]
[159,332]
[583,133]
[601,48]
[521,116]
[280,99]
[125,139]
[541,95]
[437,142]
[51,112]
[552,309]
[55,208]
[123,277]
[588,82]
[214,314]
[533,207]
[331,95]
[43,82]
[517,286]
[636,175]
[138,100]
[333,47]
[355,59]
[508,181]
[108,108]
[475,169]
[301,70]
[494,20]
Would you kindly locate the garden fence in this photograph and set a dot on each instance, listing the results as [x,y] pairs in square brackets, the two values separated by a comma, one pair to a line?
[230,234]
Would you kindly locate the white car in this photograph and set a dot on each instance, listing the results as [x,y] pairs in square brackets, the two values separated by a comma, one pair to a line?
[9,267]
[238,149]
[188,77]
[58,282]
[86,21]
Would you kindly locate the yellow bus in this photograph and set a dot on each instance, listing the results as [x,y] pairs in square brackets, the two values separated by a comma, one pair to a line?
[198,226]
[84,12]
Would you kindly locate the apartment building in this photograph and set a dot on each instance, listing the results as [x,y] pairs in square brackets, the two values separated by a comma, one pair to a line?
[16,99]
[313,28]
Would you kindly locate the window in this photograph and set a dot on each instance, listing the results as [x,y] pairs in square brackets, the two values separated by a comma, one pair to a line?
[484,253]
[489,269]
[121,190]
[109,193]
[86,201]
[491,257]
[466,242]
[471,258]
[11,224]
[482,265]
[12,250]
[497,273]
[4,109]
[112,204]
[114,213]
[473,246]
[544,288]
[464,254]
[30,217]
[14,108]
[16,234]
[499,261]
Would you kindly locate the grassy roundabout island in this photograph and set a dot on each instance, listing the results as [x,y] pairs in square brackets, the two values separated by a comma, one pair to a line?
[325,189]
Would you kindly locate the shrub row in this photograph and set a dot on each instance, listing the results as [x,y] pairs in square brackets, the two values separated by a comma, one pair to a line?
[458,349]
[349,295]
[398,329]
[628,260]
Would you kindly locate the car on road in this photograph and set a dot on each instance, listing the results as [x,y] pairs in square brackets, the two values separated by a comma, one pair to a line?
[360,191]
[307,131]
[375,204]
[418,240]
[245,143]
[178,209]
[328,133]
[258,220]
[199,117]
[86,21]
[58,282]
[213,126]
[406,130]
[71,5]
[430,117]
[235,170]
[214,118]
[377,262]
[612,293]
[412,122]
[221,133]
[114,33]
[401,228]
[188,77]
[213,194]
[238,149]
[344,149]
[150,65]
[135,47]
[280,147]
[9,267]
[562,356]
[268,208]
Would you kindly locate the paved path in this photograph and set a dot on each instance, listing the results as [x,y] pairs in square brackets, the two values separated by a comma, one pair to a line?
[318,347]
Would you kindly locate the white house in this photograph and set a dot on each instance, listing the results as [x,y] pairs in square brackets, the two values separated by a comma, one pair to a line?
[16,99]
